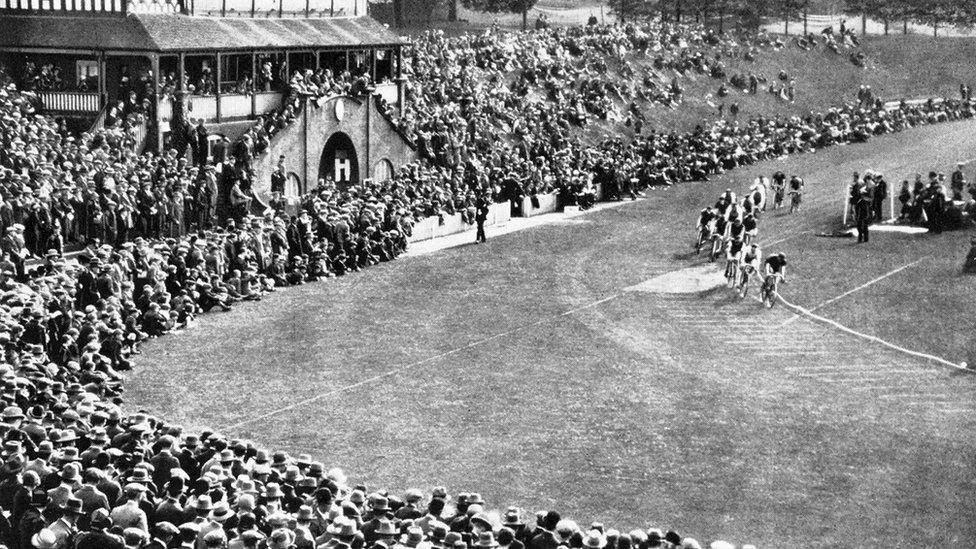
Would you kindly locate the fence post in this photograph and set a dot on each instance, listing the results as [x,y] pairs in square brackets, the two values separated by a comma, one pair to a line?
[846,204]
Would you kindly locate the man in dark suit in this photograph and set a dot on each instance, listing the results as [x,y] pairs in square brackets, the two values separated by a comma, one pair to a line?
[862,214]
[278,177]
[201,149]
[480,217]
[544,536]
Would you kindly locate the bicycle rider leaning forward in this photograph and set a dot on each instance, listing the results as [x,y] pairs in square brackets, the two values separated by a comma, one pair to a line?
[751,260]
[774,267]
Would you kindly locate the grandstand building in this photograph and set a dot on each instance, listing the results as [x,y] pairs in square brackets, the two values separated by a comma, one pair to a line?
[87,60]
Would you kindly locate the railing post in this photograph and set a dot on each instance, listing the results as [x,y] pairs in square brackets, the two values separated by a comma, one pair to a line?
[217,88]
[254,80]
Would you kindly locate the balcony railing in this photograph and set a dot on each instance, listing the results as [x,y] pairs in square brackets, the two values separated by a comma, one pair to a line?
[230,106]
[70,102]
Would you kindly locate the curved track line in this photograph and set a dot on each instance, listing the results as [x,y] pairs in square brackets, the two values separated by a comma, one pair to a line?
[406,367]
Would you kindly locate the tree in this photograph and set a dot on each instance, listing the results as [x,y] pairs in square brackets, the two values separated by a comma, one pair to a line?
[503,6]
[631,10]
[883,10]
[790,9]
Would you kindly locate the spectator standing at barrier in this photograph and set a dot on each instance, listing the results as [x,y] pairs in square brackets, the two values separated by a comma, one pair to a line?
[480,217]
[933,203]
[879,193]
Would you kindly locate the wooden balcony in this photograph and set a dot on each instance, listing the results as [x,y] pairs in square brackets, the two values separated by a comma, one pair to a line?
[70,102]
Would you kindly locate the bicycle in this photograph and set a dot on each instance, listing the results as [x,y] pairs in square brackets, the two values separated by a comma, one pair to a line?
[703,235]
[769,289]
[732,271]
[744,272]
[718,244]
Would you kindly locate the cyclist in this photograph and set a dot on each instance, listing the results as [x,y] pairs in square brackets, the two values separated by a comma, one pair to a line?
[779,189]
[751,259]
[737,230]
[752,228]
[774,267]
[796,193]
[733,256]
[720,233]
[705,218]
[758,193]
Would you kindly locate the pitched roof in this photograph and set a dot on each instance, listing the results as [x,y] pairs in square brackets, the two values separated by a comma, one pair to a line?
[172,33]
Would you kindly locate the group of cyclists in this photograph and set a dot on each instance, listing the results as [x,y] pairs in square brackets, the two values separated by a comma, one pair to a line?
[731,227]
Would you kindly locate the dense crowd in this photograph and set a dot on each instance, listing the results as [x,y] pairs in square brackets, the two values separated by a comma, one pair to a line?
[164,239]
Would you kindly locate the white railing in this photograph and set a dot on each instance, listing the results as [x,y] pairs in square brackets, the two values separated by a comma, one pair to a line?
[69,101]
[232,106]
[202,106]
[286,8]
[62,5]
[235,106]
[153,6]
[388,91]
[267,102]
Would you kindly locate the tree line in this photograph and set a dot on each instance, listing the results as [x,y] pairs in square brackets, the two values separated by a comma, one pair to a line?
[751,13]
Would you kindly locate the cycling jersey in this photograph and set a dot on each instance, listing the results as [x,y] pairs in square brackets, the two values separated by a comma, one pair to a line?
[704,219]
[720,226]
[751,257]
[776,264]
[736,230]
[796,184]
[749,223]
[735,248]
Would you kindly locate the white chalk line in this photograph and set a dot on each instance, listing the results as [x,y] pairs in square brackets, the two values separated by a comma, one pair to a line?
[405,367]
[875,339]
[871,338]
[854,290]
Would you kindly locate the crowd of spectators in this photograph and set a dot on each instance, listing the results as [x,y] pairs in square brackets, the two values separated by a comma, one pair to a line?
[164,239]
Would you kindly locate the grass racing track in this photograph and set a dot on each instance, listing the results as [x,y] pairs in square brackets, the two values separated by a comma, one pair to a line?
[521,370]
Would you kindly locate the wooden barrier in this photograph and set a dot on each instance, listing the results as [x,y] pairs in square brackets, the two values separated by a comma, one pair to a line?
[547,204]
[431,227]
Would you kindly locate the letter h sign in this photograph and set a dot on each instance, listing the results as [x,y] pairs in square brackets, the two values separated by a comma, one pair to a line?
[343,166]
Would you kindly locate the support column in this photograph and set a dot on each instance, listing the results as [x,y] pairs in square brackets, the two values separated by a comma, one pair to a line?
[157,80]
[254,80]
[401,82]
[217,86]
[102,84]
[180,71]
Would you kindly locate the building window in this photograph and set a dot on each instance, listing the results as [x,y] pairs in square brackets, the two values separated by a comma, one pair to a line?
[87,71]
[383,171]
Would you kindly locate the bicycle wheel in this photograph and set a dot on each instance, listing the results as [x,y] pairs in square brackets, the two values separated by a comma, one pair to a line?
[732,274]
[744,285]
[769,298]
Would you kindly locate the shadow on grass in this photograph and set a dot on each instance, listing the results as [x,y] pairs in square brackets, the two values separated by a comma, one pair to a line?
[686,256]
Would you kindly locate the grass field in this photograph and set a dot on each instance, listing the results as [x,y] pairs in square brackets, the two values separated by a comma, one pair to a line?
[521,369]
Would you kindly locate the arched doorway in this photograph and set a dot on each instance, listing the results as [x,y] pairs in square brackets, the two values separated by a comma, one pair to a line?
[293,186]
[339,161]
[383,171]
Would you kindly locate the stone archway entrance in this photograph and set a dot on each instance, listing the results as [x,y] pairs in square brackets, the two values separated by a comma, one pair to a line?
[339,161]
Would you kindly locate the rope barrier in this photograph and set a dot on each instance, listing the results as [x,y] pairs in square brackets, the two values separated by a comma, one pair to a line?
[874,339]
